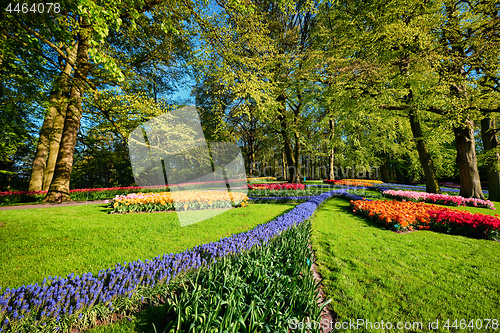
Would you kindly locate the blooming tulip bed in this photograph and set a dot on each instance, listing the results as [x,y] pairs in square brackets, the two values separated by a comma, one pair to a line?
[346,182]
[253,180]
[443,199]
[371,181]
[61,302]
[396,215]
[164,201]
[387,186]
[276,187]
[407,216]
[459,222]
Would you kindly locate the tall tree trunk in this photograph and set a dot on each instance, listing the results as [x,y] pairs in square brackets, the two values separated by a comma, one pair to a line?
[384,170]
[58,121]
[470,184]
[296,152]
[283,159]
[55,141]
[399,171]
[59,188]
[331,159]
[56,103]
[490,142]
[42,148]
[431,181]
[292,172]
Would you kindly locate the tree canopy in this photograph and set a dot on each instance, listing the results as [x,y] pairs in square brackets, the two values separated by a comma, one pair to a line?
[406,91]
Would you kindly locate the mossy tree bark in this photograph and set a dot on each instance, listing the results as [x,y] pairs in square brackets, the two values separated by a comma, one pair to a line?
[58,121]
[42,148]
[48,141]
[59,187]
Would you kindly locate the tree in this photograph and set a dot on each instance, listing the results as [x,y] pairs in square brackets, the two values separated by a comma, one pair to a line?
[22,88]
[78,29]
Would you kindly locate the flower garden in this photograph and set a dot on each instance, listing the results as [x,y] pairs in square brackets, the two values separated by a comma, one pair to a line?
[182,200]
[407,216]
[445,199]
[352,182]
[60,303]
[278,186]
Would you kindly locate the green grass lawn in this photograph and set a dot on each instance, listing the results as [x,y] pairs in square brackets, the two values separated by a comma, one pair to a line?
[58,241]
[376,274]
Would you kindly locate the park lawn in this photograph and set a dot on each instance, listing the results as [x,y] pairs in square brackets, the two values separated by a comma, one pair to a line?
[376,274]
[57,241]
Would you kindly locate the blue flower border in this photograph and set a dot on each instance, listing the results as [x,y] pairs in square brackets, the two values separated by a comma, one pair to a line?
[58,296]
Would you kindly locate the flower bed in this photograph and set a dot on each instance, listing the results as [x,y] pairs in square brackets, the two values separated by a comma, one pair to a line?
[407,216]
[164,201]
[370,181]
[345,182]
[281,199]
[387,186]
[63,301]
[276,187]
[254,180]
[444,199]
[395,215]
[465,223]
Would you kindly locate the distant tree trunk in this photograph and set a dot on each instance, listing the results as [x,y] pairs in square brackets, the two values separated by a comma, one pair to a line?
[59,187]
[490,142]
[470,184]
[399,171]
[384,170]
[250,156]
[283,159]
[296,136]
[292,172]
[431,181]
[331,159]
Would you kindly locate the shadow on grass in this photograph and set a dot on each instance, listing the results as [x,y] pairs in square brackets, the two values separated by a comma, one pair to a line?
[367,222]
[153,319]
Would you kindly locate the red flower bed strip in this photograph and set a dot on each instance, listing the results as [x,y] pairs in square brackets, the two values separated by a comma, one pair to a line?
[276,186]
[459,222]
